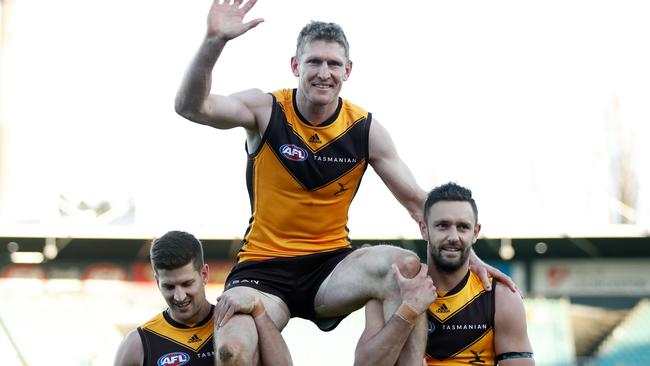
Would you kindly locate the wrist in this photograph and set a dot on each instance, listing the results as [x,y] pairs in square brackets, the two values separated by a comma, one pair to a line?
[214,41]
[407,313]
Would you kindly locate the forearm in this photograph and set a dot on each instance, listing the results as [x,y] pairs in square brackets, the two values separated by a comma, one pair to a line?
[416,206]
[518,362]
[406,190]
[197,82]
[384,347]
[273,349]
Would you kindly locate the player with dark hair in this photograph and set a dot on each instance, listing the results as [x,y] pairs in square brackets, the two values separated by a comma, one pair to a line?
[307,152]
[467,325]
[183,333]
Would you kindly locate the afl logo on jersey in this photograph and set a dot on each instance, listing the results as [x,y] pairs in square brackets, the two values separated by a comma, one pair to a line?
[174,359]
[293,152]
[432,327]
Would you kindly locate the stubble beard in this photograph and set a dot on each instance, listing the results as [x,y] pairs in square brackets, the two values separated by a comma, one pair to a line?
[447,265]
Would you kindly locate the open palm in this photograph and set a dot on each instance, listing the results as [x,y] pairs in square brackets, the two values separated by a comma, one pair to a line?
[226,18]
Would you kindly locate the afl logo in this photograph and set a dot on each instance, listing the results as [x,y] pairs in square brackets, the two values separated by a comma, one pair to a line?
[432,327]
[174,359]
[293,152]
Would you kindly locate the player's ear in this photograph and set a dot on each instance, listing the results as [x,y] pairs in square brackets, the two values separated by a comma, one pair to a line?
[423,230]
[205,274]
[348,70]
[294,66]
[477,230]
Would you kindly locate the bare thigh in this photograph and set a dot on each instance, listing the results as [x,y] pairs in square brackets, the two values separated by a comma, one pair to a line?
[238,338]
[277,310]
[363,275]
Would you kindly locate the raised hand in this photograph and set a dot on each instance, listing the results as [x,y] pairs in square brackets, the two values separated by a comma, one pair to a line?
[226,19]
[418,292]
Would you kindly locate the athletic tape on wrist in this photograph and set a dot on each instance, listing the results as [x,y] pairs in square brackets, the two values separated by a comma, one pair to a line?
[407,313]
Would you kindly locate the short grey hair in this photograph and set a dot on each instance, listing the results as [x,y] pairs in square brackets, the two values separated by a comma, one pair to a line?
[322,31]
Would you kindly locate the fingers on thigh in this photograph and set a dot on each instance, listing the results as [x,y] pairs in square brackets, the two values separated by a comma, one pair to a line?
[368,271]
[277,310]
[376,261]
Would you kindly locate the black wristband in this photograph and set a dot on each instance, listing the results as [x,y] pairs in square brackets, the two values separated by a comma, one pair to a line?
[510,355]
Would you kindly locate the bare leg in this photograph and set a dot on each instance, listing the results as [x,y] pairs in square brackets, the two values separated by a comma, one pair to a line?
[415,346]
[367,274]
[237,342]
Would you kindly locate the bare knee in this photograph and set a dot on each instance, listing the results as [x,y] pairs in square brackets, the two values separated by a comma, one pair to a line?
[236,343]
[384,256]
[408,264]
[232,352]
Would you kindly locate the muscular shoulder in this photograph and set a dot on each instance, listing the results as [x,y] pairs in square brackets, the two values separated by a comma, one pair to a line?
[130,351]
[505,298]
[380,142]
[259,103]
[509,307]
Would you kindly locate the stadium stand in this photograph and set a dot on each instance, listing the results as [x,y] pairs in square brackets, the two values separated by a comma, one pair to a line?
[550,332]
[592,325]
[629,343]
[75,309]
[38,321]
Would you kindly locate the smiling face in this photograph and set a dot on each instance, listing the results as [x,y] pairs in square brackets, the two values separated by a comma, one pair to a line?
[321,67]
[184,291]
[451,230]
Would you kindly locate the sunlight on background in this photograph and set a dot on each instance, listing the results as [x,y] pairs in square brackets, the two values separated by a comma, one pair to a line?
[540,108]
[537,107]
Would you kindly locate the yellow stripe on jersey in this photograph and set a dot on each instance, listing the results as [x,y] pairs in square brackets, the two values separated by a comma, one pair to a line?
[302,181]
[461,326]
[191,338]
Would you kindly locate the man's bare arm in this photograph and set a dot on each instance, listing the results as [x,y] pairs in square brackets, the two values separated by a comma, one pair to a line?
[273,348]
[394,172]
[510,333]
[130,351]
[382,341]
[401,182]
[193,99]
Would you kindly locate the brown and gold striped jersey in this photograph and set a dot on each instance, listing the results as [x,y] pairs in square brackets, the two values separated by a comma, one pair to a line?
[167,342]
[461,325]
[302,179]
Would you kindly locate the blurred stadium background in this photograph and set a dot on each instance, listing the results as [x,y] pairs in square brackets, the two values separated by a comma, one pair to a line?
[542,109]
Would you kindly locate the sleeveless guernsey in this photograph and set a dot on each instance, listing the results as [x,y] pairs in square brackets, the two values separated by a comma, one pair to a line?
[461,325]
[167,342]
[302,179]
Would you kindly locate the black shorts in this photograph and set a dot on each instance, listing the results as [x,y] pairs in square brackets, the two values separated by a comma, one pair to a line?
[295,280]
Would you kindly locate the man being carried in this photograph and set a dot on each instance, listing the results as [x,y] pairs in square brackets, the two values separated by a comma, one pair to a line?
[307,152]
